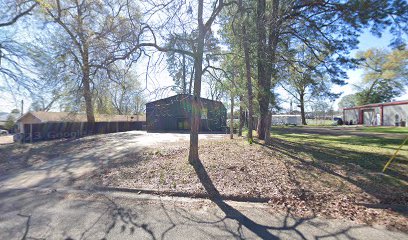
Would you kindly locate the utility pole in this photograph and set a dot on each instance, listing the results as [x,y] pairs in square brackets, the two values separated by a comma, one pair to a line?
[22,107]
[291,108]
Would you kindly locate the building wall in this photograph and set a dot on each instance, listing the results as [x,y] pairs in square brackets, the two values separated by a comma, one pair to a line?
[27,119]
[391,111]
[164,115]
[372,115]
[351,114]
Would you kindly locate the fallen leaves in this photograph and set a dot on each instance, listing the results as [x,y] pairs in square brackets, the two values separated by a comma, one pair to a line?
[307,187]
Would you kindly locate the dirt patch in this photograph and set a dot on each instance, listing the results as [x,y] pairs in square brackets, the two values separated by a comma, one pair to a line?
[289,176]
[6,139]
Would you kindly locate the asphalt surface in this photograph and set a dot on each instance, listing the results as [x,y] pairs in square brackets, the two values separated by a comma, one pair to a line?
[49,214]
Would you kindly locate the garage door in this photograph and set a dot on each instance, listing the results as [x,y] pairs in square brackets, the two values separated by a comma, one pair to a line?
[369,117]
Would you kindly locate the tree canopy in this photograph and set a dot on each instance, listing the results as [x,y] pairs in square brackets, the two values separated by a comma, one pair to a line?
[385,75]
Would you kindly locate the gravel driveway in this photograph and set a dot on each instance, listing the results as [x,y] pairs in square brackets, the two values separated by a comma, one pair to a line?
[6,139]
[62,163]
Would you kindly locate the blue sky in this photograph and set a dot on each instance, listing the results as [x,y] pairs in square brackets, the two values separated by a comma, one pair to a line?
[367,41]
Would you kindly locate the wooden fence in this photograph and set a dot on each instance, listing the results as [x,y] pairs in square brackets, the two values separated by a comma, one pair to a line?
[56,130]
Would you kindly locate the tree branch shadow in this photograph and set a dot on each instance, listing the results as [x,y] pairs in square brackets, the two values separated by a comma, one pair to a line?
[262,231]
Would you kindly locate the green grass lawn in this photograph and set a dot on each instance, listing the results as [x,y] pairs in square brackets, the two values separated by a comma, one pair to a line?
[402,130]
[369,153]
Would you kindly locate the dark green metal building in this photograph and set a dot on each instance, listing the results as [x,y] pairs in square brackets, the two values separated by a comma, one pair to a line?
[174,114]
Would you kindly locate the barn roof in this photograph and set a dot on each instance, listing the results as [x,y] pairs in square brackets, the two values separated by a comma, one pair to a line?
[378,104]
[184,96]
[80,117]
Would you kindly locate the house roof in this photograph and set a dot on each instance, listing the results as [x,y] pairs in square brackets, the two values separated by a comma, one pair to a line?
[378,104]
[80,117]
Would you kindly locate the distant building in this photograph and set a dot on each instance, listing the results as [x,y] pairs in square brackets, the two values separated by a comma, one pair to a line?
[174,114]
[52,117]
[378,114]
[286,119]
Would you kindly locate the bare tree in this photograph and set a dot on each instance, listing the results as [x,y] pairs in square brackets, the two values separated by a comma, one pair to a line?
[14,55]
[97,32]
[12,10]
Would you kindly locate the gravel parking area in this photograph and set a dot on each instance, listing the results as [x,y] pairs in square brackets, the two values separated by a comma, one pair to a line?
[60,162]
[6,139]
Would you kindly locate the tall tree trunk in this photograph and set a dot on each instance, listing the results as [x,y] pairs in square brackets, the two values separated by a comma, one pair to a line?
[241,116]
[191,81]
[248,83]
[232,117]
[195,112]
[261,63]
[245,44]
[184,75]
[266,62]
[302,107]
[87,86]
[268,126]
[193,157]
[86,81]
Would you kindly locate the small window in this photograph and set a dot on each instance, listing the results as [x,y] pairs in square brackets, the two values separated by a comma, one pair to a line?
[183,124]
[204,112]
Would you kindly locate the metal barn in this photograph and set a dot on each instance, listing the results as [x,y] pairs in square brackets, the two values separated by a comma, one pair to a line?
[174,114]
[378,114]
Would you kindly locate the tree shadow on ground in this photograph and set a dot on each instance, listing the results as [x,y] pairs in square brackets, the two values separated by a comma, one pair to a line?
[102,216]
[337,132]
[362,170]
[262,231]
[368,141]
[128,222]
[64,162]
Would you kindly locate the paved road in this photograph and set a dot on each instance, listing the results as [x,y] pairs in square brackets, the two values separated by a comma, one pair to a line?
[29,214]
